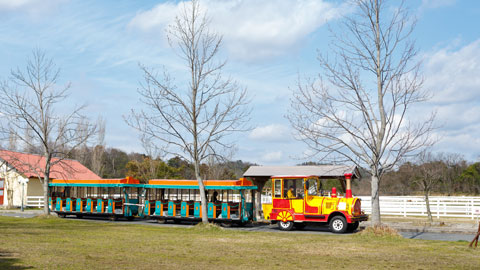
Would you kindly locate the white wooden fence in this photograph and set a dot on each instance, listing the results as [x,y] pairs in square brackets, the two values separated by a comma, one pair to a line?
[35,201]
[416,206]
[466,207]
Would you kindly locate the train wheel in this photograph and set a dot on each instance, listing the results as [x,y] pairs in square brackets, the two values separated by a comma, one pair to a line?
[79,216]
[161,221]
[285,221]
[61,215]
[285,226]
[338,224]
[113,218]
[130,218]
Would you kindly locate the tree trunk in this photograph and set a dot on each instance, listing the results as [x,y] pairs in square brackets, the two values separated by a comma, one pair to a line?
[46,178]
[10,198]
[258,199]
[203,197]
[8,183]
[9,187]
[375,217]
[427,203]
[376,220]
[46,209]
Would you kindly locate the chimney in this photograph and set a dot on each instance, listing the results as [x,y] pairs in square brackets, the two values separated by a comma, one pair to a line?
[348,179]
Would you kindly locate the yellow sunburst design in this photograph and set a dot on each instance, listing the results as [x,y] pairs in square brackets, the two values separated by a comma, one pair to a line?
[285,216]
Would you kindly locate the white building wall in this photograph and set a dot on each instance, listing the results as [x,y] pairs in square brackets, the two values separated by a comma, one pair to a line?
[12,178]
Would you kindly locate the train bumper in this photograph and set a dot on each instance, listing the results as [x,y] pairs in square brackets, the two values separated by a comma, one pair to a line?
[359,218]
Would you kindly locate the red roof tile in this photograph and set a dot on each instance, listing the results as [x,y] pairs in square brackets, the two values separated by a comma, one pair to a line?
[32,165]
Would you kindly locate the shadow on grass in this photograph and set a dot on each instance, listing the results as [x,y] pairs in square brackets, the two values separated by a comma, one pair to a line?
[8,261]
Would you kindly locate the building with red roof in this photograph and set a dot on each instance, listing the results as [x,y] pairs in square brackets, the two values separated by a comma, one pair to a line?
[17,168]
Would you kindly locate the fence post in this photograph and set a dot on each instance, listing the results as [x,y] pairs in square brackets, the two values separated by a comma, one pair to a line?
[438,208]
[473,216]
[424,208]
[404,207]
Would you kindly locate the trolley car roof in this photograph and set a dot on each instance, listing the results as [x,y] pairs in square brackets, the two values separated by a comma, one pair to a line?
[242,183]
[125,182]
[322,171]
[293,176]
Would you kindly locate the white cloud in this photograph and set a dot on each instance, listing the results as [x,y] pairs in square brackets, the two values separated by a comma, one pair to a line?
[436,3]
[456,116]
[17,4]
[273,132]
[465,143]
[272,157]
[252,29]
[32,7]
[452,76]
[156,18]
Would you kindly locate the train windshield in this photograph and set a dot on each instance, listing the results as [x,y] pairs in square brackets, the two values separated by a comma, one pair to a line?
[313,185]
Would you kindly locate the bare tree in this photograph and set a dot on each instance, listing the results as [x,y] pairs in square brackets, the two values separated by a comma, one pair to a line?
[194,119]
[10,180]
[455,164]
[81,153]
[30,145]
[357,110]
[30,103]
[99,149]
[429,173]
[12,140]
[151,149]
[216,167]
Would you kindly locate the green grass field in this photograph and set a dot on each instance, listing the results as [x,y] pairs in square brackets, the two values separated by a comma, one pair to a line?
[53,243]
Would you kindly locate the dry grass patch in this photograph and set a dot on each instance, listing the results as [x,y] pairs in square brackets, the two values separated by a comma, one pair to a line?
[50,243]
[380,231]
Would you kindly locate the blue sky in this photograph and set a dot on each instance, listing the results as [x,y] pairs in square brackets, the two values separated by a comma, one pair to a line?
[99,44]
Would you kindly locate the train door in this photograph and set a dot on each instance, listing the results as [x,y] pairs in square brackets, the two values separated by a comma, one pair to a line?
[279,200]
[293,190]
[2,191]
[312,199]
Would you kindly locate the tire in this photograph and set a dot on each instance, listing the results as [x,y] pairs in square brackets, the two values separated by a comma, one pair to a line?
[226,224]
[285,226]
[351,227]
[338,224]
[299,226]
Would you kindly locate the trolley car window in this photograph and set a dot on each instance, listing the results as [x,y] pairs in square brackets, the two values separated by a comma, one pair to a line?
[296,184]
[278,188]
